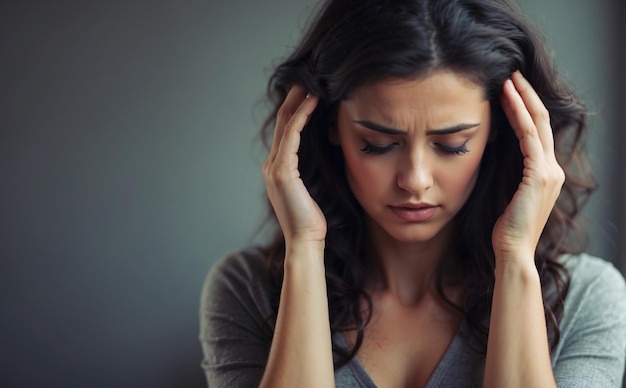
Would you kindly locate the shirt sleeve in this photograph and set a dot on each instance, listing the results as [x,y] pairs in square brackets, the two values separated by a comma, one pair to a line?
[594,338]
[235,316]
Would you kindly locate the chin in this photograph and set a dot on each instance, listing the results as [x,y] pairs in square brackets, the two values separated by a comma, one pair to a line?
[413,233]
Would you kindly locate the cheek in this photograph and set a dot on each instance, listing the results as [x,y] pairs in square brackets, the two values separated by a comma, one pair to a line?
[465,176]
[366,174]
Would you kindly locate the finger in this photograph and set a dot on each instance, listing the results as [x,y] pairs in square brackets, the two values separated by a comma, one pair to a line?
[537,110]
[290,142]
[293,100]
[521,121]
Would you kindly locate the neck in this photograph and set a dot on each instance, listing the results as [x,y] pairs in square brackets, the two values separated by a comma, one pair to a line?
[405,270]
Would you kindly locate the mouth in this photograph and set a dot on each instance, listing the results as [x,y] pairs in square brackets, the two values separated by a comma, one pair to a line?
[410,212]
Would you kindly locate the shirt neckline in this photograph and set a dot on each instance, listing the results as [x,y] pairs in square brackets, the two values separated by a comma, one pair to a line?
[359,372]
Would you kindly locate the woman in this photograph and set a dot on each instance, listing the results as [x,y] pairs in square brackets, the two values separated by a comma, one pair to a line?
[425,170]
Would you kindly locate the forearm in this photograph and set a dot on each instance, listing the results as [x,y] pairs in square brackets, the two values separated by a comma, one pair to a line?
[518,352]
[301,351]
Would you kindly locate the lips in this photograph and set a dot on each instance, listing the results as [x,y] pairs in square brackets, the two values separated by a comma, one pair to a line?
[420,212]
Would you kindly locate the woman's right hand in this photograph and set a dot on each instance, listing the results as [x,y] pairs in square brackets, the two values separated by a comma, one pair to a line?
[297,360]
[299,216]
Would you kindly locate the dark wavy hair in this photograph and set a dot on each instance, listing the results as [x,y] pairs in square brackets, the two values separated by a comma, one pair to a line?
[350,43]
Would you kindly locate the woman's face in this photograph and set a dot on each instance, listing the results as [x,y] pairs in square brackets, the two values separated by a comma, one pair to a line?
[412,151]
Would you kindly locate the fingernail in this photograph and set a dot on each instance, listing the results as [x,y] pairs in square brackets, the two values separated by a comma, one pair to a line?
[509,84]
[308,95]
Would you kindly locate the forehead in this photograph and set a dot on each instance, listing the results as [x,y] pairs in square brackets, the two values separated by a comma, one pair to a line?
[442,94]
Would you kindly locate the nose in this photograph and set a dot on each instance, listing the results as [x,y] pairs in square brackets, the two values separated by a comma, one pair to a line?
[415,173]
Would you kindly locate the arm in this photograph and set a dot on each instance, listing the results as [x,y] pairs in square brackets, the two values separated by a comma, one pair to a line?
[517,350]
[236,329]
[301,351]
[301,354]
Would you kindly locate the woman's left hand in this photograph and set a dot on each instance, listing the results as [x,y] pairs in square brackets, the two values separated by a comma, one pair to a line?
[517,231]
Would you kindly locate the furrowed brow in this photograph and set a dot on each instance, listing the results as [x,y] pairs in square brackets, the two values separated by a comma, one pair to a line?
[378,127]
[393,131]
[451,130]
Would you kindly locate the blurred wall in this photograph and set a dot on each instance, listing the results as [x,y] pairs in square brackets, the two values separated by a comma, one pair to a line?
[127,166]
[619,91]
[129,163]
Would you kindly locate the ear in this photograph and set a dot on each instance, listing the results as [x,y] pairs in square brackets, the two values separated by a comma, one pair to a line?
[333,135]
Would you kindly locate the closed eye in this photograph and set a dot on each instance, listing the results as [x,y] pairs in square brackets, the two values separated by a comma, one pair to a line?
[377,150]
[453,150]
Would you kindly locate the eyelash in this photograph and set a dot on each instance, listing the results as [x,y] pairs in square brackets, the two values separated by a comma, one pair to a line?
[453,150]
[376,150]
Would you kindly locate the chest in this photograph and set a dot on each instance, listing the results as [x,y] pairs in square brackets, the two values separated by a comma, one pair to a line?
[402,347]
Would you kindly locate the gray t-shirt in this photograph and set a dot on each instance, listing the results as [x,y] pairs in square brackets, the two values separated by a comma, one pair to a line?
[237,321]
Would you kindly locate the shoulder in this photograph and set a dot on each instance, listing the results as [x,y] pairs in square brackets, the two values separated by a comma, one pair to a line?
[237,319]
[592,343]
[597,289]
[591,276]
[244,266]
[240,280]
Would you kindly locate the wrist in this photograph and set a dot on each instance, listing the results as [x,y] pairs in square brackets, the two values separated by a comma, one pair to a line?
[518,265]
[304,252]
[308,246]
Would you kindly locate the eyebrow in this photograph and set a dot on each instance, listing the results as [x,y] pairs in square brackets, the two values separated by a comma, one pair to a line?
[393,131]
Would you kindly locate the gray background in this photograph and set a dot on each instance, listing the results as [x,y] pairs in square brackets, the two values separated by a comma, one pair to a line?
[129,163]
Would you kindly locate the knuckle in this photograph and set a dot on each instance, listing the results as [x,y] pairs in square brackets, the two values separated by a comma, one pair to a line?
[265,169]
[529,129]
[278,177]
[523,87]
[282,113]
[553,177]
[560,176]
[289,127]
[543,114]
[544,179]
